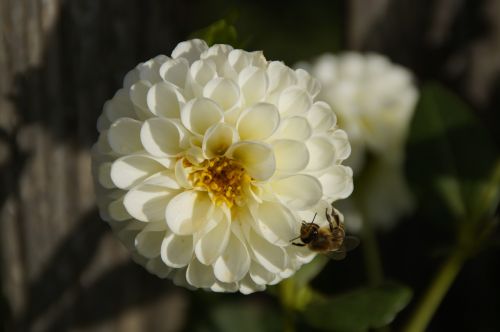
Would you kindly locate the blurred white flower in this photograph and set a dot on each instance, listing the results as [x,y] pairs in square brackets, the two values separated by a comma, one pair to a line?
[207,162]
[374,101]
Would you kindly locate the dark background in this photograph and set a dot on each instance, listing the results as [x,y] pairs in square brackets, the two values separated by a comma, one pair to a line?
[61,269]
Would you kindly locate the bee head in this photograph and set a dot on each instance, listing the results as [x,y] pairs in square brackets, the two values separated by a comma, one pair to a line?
[308,232]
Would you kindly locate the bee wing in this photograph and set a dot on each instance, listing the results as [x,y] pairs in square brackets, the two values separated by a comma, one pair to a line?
[350,243]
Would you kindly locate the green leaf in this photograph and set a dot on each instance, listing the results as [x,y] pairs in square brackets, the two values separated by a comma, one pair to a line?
[450,156]
[219,32]
[359,310]
[243,316]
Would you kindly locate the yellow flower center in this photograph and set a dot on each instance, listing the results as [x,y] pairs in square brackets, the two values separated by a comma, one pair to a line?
[223,178]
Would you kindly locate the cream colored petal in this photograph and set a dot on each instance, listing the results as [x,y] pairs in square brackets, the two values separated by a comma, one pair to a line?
[291,155]
[223,91]
[104,175]
[181,175]
[201,113]
[306,81]
[269,256]
[158,268]
[260,275]
[253,83]
[202,71]
[280,76]
[209,248]
[218,139]
[321,152]
[294,127]
[223,287]
[138,95]
[119,106]
[257,158]
[164,99]
[234,263]
[117,210]
[337,182]
[190,49]
[164,179]
[341,143]
[175,71]
[177,250]
[149,70]
[163,137]
[129,171]
[294,100]
[124,136]
[247,286]
[299,191]
[147,202]
[200,275]
[148,242]
[258,122]
[239,59]
[188,211]
[276,223]
[321,117]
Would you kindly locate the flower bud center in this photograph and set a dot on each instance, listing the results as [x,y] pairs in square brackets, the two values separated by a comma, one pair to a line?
[223,178]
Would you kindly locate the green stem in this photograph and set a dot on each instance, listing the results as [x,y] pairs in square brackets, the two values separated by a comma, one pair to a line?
[371,253]
[435,293]
[286,292]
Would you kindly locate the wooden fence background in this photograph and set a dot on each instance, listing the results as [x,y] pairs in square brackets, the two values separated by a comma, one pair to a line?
[61,269]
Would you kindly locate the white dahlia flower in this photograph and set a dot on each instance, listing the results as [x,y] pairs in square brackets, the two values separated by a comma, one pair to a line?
[208,160]
[374,101]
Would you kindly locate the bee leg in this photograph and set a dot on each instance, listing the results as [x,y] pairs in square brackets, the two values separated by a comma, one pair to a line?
[295,238]
[329,219]
[299,244]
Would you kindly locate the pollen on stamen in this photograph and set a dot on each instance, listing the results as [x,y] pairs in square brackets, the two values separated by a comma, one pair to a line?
[222,177]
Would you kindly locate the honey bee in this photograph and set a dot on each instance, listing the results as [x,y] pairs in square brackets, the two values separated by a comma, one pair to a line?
[330,240]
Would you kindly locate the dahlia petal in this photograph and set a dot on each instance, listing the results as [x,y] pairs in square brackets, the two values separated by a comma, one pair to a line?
[128,171]
[219,286]
[300,191]
[164,99]
[119,106]
[294,127]
[280,76]
[239,59]
[117,210]
[104,175]
[258,122]
[294,100]
[253,83]
[149,70]
[234,263]
[162,137]
[147,202]
[181,175]
[276,223]
[321,152]
[190,50]
[213,243]
[222,90]
[138,95]
[130,78]
[321,116]
[148,241]
[158,268]
[187,211]
[202,71]
[256,157]
[306,81]
[176,250]
[341,144]
[199,114]
[164,179]
[337,182]
[200,275]
[259,274]
[291,155]
[175,71]
[269,256]
[218,139]
[124,136]
[248,286]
